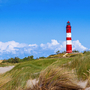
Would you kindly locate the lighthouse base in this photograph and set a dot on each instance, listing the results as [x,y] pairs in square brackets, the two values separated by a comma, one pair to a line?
[68,51]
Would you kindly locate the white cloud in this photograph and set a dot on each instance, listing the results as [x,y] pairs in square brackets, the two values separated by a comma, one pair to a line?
[55,45]
[13,47]
[21,49]
[33,45]
[54,42]
[43,46]
[78,46]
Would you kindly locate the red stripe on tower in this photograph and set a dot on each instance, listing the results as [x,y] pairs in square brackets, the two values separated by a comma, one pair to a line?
[68,38]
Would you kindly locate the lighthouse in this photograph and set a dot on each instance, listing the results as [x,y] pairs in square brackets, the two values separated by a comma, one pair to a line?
[68,38]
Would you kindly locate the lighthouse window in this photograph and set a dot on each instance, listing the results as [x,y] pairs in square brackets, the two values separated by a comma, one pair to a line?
[68,23]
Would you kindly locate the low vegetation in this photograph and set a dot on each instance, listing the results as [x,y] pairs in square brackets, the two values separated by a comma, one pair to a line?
[81,64]
[53,72]
[24,71]
[56,78]
[17,60]
[65,76]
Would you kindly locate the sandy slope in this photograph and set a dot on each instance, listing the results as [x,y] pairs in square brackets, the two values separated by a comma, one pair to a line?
[5,69]
[1,61]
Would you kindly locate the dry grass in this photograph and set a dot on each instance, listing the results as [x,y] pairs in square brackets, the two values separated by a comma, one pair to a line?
[81,64]
[56,78]
[60,55]
[52,78]
[1,61]
[56,56]
[4,80]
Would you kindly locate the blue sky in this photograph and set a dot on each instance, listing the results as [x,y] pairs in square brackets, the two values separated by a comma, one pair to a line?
[39,26]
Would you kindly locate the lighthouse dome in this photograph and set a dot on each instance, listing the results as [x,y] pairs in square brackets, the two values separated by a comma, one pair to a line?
[68,23]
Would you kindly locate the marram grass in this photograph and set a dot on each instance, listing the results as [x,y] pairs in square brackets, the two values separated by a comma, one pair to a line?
[55,73]
[17,77]
[81,65]
[56,78]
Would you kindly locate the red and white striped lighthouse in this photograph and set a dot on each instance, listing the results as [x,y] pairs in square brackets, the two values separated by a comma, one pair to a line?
[68,38]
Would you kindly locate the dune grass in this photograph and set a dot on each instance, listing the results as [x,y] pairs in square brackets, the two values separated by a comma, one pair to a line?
[7,64]
[56,78]
[65,75]
[22,72]
[16,78]
[81,64]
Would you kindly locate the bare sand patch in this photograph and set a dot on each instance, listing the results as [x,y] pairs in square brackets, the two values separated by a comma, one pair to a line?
[1,61]
[5,69]
[31,83]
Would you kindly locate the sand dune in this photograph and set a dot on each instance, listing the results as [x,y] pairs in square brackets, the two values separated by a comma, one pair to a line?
[5,69]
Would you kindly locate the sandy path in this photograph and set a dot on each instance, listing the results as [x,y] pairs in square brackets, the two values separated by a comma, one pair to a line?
[5,69]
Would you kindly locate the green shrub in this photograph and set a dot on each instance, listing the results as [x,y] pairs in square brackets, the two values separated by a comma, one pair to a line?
[75,51]
[42,57]
[28,58]
[12,60]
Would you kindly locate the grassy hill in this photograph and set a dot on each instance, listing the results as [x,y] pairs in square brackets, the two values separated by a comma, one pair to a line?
[60,55]
[43,69]
[17,77]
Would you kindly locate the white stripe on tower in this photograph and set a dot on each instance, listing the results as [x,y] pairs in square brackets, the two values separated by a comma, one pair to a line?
[69,42]
[68,35]
[68,39]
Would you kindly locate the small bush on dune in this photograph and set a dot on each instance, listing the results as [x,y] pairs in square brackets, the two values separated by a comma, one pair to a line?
[86,52]
[42,57]
[12,60]
[17,60]
[4,61]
